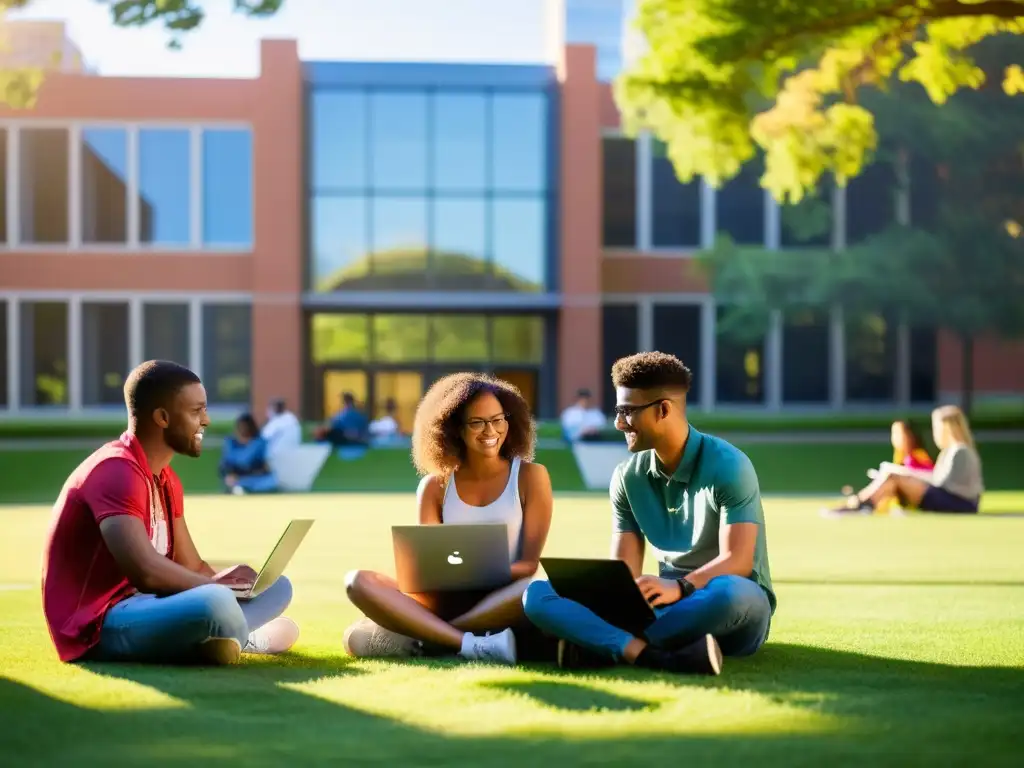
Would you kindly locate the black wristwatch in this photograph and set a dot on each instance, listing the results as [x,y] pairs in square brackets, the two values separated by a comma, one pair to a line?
[686,587]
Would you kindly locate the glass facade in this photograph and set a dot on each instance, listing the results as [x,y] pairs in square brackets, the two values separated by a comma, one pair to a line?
[363,352]
[438,189]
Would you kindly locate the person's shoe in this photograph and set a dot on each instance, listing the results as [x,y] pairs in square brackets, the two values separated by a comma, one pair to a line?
[701,657]
[571,656]
[366,639]
[275,636]
[499,648]
[222,651]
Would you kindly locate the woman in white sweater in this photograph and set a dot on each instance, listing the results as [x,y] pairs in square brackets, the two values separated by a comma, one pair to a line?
[954,485]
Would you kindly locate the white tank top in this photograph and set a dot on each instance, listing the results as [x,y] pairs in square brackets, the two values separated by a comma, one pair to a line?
[507,508]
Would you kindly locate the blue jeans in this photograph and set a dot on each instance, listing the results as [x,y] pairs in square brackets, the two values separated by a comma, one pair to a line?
[155,629]
[734,610]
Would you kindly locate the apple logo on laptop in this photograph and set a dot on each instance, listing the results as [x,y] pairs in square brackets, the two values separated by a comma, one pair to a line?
[454,559]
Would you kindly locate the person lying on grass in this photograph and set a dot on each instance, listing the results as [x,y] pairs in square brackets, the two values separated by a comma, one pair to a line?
[122,580]
[473,441]
[696,499]
[955,485]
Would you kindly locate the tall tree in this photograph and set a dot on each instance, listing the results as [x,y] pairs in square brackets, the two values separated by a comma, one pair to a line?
[961,267]
[723,80]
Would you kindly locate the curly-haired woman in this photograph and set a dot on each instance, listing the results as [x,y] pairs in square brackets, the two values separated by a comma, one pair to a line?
[473,442]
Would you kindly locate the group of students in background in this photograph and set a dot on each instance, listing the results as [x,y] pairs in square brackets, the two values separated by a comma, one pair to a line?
[952,483]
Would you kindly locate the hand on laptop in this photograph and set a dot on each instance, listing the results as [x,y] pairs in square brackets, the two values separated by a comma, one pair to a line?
[659,591]
[236,576]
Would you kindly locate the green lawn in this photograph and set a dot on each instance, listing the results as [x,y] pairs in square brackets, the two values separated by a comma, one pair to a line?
[898,641]
[36,476]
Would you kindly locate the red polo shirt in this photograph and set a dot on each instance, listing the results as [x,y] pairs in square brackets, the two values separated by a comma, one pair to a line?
[81,579]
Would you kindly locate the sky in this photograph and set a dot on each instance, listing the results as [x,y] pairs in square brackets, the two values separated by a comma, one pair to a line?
[227,44]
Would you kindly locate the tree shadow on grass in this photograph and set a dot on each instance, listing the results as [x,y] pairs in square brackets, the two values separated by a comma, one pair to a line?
[886,711]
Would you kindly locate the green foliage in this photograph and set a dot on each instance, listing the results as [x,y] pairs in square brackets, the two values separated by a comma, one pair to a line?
[178,17]
[722,78]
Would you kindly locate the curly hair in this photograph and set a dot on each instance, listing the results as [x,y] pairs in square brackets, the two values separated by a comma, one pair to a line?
[651,370]
[437,444]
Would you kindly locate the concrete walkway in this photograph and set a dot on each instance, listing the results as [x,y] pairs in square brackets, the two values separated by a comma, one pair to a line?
[742,438]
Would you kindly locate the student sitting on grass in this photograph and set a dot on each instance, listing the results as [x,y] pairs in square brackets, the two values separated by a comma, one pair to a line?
[908,451]
[696,499]
[122,580]
[243,464]
[473,440]
[954,485]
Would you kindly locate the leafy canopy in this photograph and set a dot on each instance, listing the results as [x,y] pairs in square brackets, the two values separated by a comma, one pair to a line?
[722,80]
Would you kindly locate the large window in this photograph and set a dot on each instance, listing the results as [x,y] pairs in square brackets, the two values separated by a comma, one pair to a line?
[924,365]
[677,331]
[227,352]
[739,367]
[870,358]
[675,206]
[740,205]
[444,190]
[620,337]
[44,353]
[400,339]
[104,183]
[227,187]
[870,202]
[43,192]
[619,192]
[382,356]
[169,186]
[806,345]
[165,333]
[104,352]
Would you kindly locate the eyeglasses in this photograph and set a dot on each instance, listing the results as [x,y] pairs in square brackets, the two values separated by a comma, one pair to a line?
[500,423]
[628,411]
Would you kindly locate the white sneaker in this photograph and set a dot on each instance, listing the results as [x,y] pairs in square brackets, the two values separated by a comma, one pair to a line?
[275,636]
[499,648]
[366,639]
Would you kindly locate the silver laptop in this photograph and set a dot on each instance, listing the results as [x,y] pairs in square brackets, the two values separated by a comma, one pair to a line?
[446,558]
[278,560]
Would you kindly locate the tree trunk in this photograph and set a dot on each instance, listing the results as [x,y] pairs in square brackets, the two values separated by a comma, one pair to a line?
[967,373]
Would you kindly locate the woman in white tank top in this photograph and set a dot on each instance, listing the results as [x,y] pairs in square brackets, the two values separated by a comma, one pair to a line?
[473,442]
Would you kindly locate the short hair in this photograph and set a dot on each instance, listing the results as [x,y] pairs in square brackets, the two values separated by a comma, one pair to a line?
[153,384]
[348,398]
[437,446]
[651,370]
[250,423]
[278,405]
[582,393]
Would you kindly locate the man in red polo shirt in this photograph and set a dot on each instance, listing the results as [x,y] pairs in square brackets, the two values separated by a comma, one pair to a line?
[122,580]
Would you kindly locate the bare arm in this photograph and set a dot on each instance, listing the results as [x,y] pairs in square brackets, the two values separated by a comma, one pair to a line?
[538,501]
[736,544]
[147,571]
[185,553]
[629,547]
[889,468]
[429,497]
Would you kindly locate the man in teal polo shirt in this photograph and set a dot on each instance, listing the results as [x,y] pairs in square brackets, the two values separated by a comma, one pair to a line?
[695,499]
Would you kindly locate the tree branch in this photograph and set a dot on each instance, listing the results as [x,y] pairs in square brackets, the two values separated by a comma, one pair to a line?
[908,10]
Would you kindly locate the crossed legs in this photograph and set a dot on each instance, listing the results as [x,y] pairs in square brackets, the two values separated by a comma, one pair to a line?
[425,617]
[888,487]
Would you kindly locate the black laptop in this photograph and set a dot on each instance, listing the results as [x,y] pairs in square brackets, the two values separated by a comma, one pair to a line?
[606,587]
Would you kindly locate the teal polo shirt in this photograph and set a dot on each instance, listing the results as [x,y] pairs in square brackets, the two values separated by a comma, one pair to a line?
[681,514]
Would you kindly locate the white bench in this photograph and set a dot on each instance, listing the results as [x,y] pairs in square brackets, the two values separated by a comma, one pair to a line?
[296,468]
[597,462]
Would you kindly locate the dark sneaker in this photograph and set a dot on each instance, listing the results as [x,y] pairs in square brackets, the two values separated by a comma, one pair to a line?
[572,656]
[702,657]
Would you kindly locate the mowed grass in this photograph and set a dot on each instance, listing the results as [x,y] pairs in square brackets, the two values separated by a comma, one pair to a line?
[898,641]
